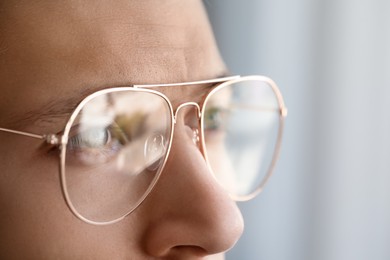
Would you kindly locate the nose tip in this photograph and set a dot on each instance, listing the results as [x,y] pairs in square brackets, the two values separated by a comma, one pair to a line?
[192,214]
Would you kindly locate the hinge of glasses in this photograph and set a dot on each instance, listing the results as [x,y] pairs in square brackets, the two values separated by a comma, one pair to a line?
[52,139]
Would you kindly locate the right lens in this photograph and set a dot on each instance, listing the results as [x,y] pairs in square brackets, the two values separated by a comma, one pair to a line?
[241,127]
[117,145]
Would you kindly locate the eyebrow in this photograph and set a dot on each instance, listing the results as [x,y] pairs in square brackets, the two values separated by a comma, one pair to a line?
[52,111]
[61,108]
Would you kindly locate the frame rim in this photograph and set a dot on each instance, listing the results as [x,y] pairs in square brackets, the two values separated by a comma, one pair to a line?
[278,143]
[65,137]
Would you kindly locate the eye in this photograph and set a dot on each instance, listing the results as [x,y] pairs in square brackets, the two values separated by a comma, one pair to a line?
[215,118]
[94,146]
[93,138]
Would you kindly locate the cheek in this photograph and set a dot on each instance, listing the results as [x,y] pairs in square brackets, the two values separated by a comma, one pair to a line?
[35,222]
[30,198]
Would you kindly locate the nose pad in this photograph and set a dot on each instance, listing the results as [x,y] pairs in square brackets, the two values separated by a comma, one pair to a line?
[196,137]
[154,150]
[190,117]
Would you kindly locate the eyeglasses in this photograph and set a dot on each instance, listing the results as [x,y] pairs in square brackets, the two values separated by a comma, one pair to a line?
[116,143]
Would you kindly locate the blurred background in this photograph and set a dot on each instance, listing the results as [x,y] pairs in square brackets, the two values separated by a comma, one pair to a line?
[329,198]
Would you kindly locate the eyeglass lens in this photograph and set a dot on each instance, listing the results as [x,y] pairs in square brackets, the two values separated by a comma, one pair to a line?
[115,151]
[241,123]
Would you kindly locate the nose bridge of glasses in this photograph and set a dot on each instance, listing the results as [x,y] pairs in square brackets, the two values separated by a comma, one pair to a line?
[191,120]
[187,104]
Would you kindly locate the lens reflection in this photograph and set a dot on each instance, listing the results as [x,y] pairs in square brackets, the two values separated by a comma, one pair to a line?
[116,148]
[241,123]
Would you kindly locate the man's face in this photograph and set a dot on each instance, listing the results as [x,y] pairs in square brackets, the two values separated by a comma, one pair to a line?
[52,54]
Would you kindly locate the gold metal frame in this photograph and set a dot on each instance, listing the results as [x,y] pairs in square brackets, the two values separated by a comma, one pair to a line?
[61,140]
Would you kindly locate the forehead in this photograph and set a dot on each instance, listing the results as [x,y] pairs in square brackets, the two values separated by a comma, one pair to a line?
[55,49]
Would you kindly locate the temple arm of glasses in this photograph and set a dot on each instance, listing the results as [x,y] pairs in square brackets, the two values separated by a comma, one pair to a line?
[48,138]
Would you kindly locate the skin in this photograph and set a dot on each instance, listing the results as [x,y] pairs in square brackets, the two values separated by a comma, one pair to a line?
[52,54]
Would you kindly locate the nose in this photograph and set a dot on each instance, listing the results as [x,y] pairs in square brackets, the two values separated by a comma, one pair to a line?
[192,215]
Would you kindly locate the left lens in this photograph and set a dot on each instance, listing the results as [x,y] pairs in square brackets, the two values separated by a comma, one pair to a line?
[241,128]
[117,145]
